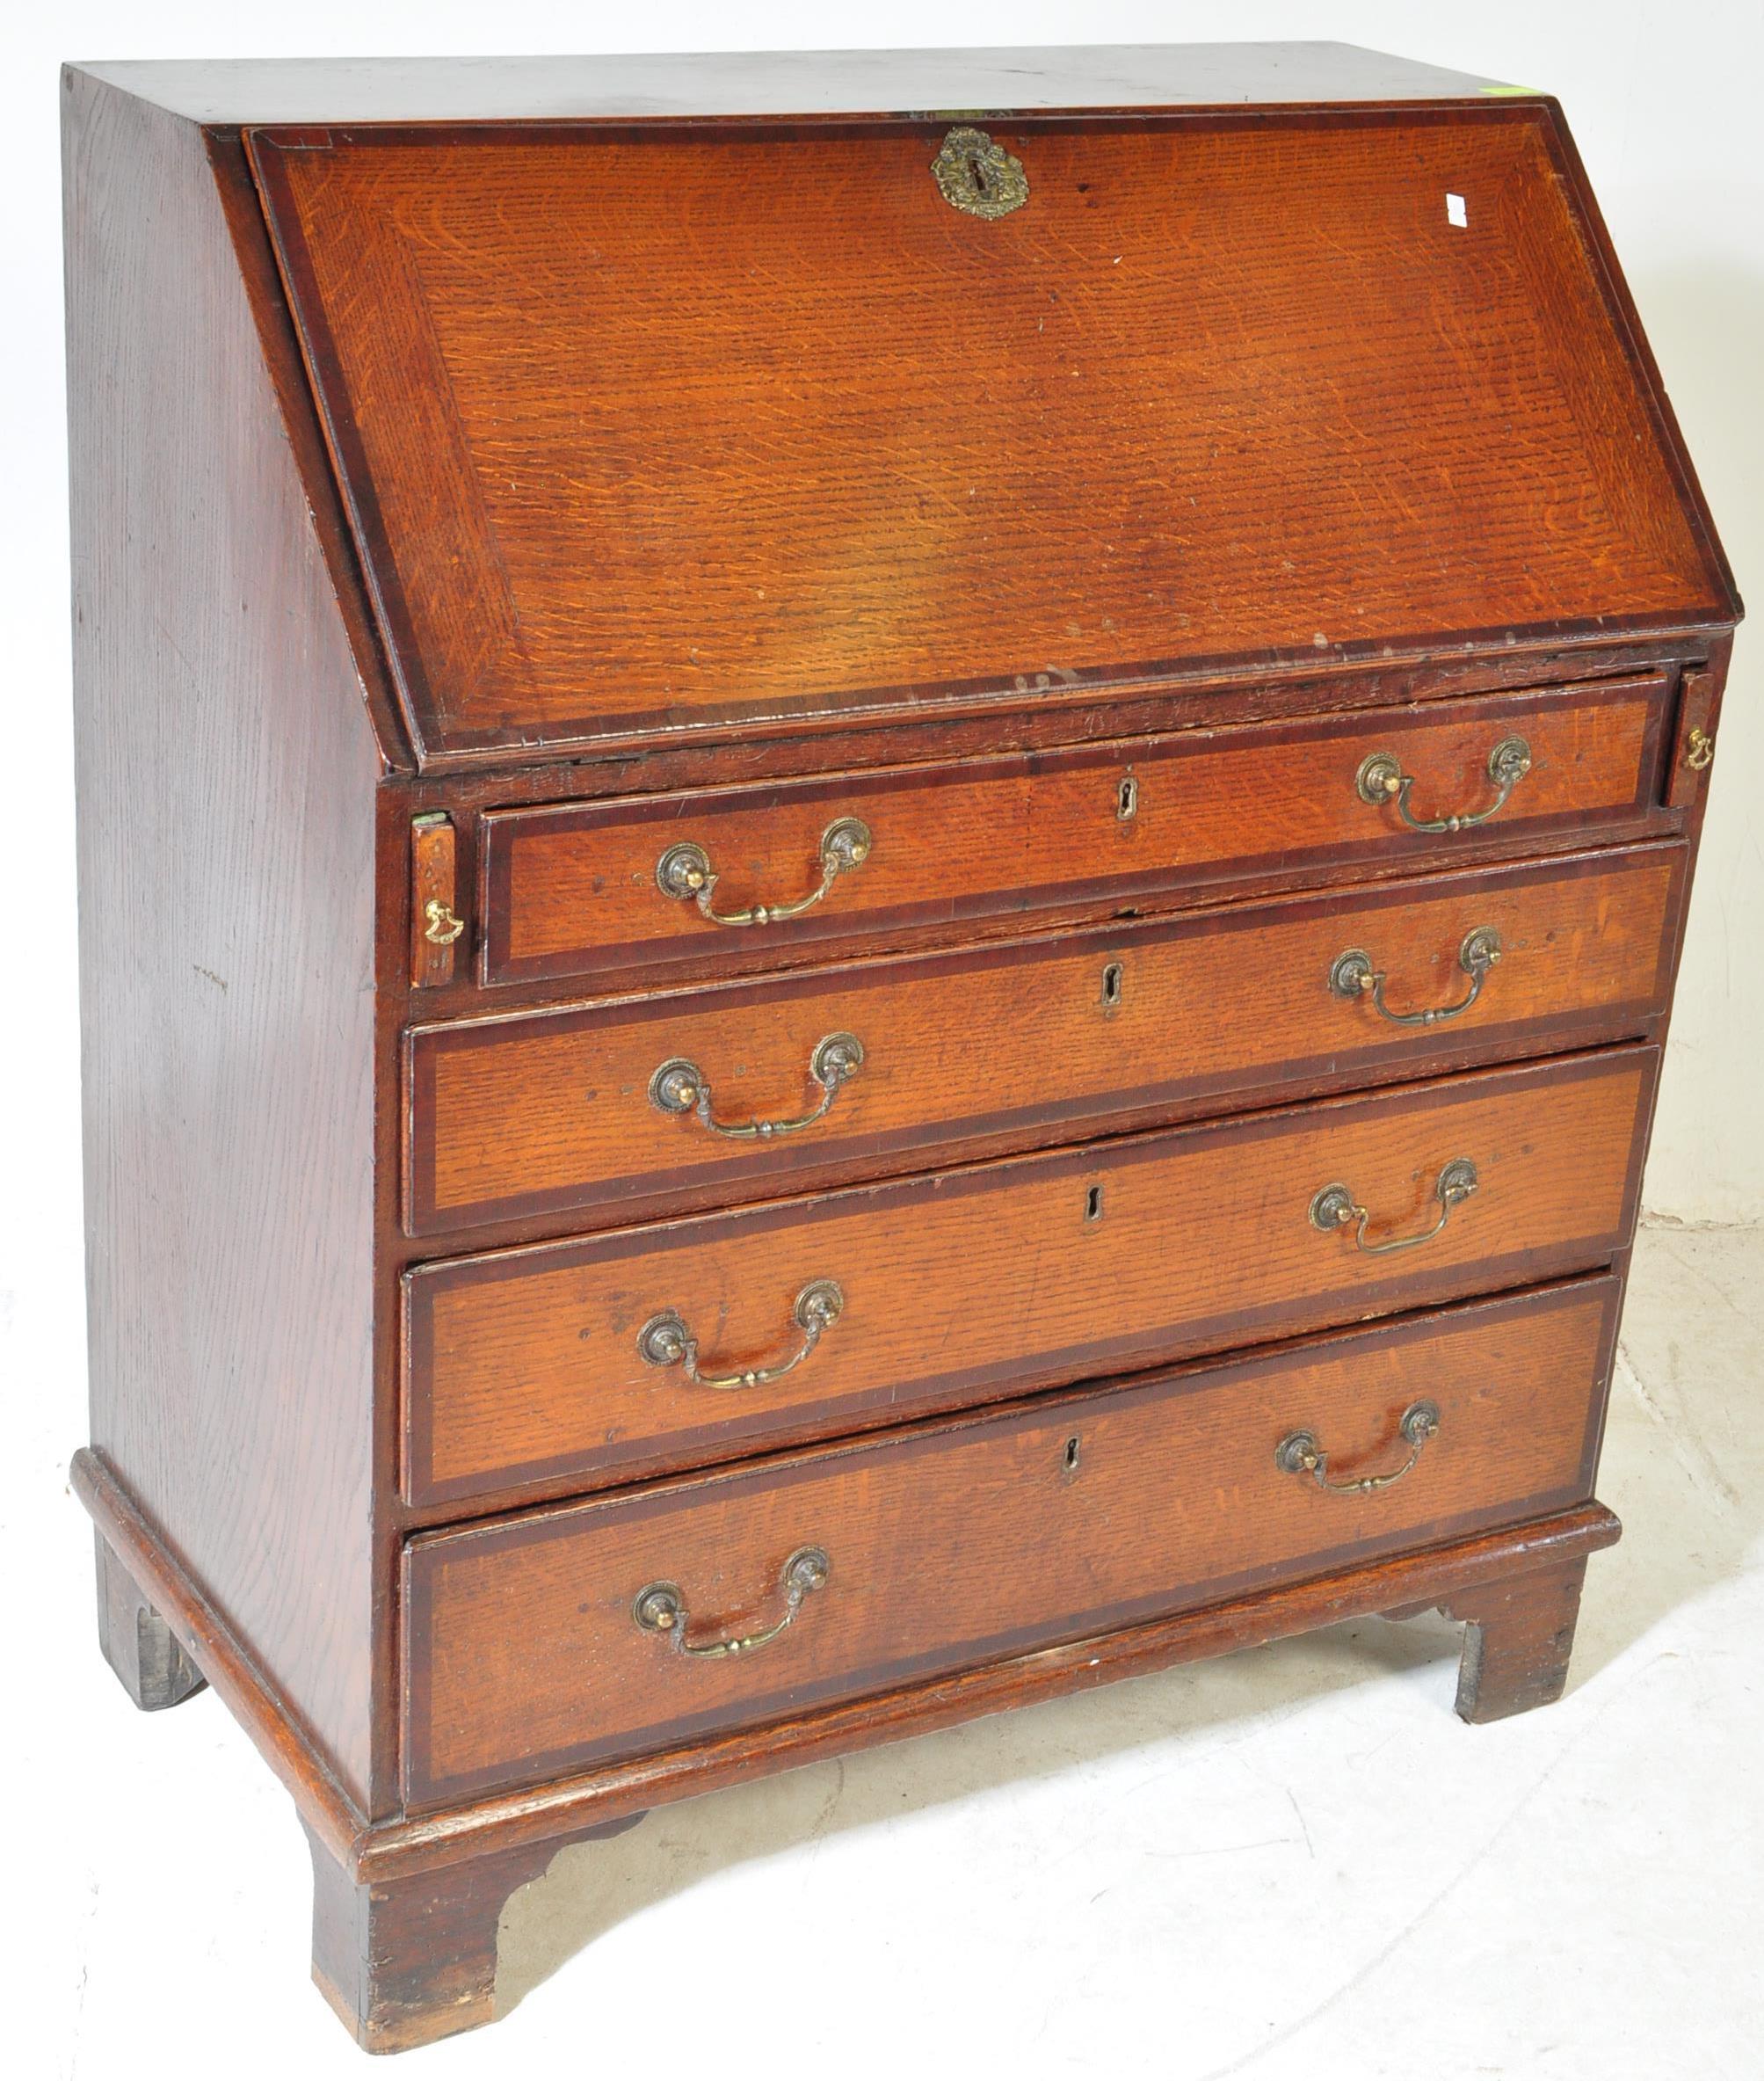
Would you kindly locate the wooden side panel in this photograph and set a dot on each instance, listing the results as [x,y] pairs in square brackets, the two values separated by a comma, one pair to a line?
[525,1366]
[227,775]
[575,889]
[958,1544]
[1226,388]
[1034,1041]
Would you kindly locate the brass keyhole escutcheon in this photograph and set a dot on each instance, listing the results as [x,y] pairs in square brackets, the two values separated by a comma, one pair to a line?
[979,178]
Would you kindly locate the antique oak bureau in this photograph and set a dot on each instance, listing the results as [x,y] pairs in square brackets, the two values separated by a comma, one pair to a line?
[881,859]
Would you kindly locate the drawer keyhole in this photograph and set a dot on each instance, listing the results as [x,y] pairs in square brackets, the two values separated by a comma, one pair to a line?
[1127,799]
[1071,1457]
[1092,1204]
[1111,985]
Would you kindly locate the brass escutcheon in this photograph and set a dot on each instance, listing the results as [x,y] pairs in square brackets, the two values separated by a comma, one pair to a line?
[977,177]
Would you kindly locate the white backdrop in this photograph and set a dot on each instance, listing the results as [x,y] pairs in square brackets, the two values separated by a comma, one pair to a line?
[1662,98]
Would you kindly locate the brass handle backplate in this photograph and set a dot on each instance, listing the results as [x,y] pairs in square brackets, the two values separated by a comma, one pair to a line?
[1700,750]
[1352,976]
[661,1608]
[681,1087]
[664,1340]
[1381,779]
[1335,1206]
[685,872]
[978,177]
[1298,1453]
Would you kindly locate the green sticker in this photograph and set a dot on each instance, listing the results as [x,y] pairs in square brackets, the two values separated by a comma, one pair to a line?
[1508,90]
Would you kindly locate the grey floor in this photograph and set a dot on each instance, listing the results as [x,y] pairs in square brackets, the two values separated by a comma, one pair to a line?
[1296,1862]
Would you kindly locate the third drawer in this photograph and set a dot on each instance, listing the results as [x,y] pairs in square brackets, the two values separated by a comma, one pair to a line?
[580,1363]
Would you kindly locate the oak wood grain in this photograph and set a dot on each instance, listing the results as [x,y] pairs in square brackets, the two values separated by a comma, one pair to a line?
[226,769]
[540,379]
[1022,1042]
[1693,745]
[957,1543]
[1518,1637]
[400,1846]
[574,891]
[708,506]
[1042,719]
[977,1283]
[436,925]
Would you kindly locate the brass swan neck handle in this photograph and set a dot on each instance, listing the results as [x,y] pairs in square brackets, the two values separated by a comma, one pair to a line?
[664,1340]
[1335,1207]
[1298,1453]
[685,872]
[661,1608]
[1352,976]
[681,1087]
[1380,780]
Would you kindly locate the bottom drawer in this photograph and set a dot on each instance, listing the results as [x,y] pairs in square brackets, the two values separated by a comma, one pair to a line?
[574,1635]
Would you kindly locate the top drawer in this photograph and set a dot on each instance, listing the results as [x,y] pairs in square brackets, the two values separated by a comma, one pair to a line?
[749,875]
[654,433]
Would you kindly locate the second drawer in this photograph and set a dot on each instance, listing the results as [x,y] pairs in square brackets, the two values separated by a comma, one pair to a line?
[616,1110]
[586,1363]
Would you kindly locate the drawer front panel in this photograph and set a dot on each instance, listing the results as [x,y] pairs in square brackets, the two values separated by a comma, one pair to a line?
[603,1112]
[575,890]
[957,1543]
[529,1366]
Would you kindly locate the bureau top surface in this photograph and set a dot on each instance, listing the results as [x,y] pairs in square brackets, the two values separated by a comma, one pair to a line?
[780,82]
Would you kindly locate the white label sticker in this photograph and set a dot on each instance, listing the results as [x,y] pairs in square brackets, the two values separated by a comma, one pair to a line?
[1456,212]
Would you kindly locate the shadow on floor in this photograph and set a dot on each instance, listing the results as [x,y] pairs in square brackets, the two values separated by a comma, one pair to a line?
[1683,1462]
[1680,1464]
[593,1886]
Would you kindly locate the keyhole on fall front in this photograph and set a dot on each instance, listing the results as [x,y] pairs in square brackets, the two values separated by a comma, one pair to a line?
[1092,1204]
[1111,985]
[1127,799]
[1072,1458]
[978,175]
